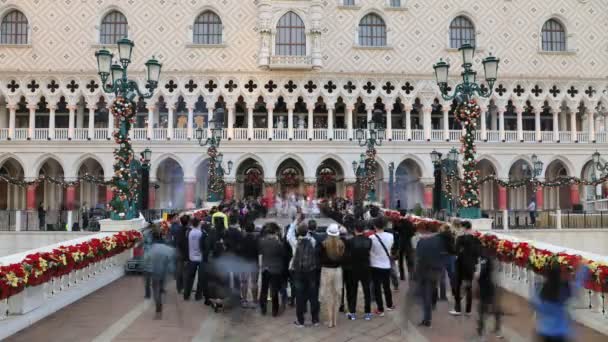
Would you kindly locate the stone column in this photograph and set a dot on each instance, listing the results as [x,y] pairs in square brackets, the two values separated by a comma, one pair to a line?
[230,109]
[575,197]
[445,109]
[290,108]
[52,110]
[189,191]
[32,119]
[427,122]
[269,194]
[70,196]
[72,112]
[310,190]
[270,109]
[482,119]
[170,109]
[408,121]
[12,108]
[555,112]
[389,125]
[210,117]
[502,198]
[540,199]
[31,197]
[190,124]
[91,128]
[109,194]
[501,124]
[573,131]
[151,109]
[311,109]
[250,121]
[349,121]
[330,124]
[537,132]
[591,121]
[110,122]
[151,197]
[519,110]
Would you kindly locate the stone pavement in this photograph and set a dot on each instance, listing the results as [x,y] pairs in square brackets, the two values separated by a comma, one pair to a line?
[118,312]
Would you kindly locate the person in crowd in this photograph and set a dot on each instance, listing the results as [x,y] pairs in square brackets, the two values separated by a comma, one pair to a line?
[41,216]
[249,252]
[312,231]
[220,220]
[272,254]
[196,246]
[488,294]
[179,233]
[303,265]
[532,210]
[148,240]
[428,269]
[332,253]
[380,262]
[161,261]
[448,256]
[358,249]
[468,250]
[232,238]
[406,231]
[553,323]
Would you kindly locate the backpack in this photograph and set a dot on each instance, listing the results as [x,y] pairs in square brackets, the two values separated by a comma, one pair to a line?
[305,256]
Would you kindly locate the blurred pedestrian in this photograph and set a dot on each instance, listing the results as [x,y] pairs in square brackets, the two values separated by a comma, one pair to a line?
[272,254]
[468,249]
[488,293]
[381,264]
[161,259]
[428,269]
[358,250]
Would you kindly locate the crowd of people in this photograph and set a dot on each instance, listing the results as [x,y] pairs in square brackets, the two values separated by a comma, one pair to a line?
[320,270]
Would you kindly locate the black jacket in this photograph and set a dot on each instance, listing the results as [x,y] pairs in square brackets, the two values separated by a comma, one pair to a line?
[181,241]
[249,247]
[449,244]
[358,249]
[468,250]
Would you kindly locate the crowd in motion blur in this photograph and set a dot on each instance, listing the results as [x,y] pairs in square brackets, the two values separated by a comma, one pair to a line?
[229,261]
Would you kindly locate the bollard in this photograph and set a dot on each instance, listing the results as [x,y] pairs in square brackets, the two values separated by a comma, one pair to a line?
[558,219]
[18,220]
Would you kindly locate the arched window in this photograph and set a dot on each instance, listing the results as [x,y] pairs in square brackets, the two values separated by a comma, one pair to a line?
[291,36]
[207,29]
[372,31]
[114,27]
[14,28]
[462,31]
[554,36]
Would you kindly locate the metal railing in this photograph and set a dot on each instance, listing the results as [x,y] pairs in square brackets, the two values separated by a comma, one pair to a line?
[8,220]
[319,134]
[584,219]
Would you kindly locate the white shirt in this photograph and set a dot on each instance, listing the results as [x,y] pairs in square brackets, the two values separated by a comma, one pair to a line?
[377,255]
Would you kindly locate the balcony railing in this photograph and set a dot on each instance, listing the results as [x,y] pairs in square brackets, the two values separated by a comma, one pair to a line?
[260,134]
[493,136]
[600,137]
[319,134]
[546,136]
[290,62]
[61,133]
[180,134]
[3,133]
[418,135]
[437,135]
[21,133]
[280,134]
[342,134]
[529,136]
[455,134]
[81,134]
[564,137]
[300,134]
[399,135]
[41,134]
[240,134]
[139,134]
[511,136]
[98,133]
[159,134]
[582,137]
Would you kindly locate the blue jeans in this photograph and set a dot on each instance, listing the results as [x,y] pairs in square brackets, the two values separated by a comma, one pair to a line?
[307,291]
[427,286]
[449,267]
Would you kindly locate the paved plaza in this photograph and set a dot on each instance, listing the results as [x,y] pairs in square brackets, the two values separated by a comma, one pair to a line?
[118,312]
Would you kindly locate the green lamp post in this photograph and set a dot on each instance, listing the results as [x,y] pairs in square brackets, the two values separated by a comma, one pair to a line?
[215,185]
[115,79]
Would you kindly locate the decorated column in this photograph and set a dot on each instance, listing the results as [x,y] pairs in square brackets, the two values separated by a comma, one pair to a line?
[109,194]
[540,199]
[575,197]
[229,192]
[467,114]
[151,197]
[428,196]
[189,190]
[215,185]
[502,197]
[70,197]
[269,195]
[31,196]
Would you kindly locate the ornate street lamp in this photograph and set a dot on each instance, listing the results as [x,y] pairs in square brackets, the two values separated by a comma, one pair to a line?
[124,202]
[371,136]
[599,165]
[537,167]
[215,185]
[468,88]
[467,114]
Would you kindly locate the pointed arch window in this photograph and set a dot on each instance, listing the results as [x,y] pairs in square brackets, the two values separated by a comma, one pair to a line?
[372,31]
[553,36]
[291,36]
[14,28]
[462,31]
[207,29]
[114,26]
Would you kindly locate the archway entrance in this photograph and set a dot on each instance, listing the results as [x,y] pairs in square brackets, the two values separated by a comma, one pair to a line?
[557,197]
[13,196]
[330,179]
[170,177]
[290,176]
[520,197]
[408,188]
[488,191]
[250,179]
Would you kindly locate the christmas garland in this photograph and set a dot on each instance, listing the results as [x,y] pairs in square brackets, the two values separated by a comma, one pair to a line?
[124,182]
[39,268]
[467,114]
[216,181]
[367,183]
[47,179]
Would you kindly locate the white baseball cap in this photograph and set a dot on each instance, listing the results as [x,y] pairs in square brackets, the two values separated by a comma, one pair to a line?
[333,230]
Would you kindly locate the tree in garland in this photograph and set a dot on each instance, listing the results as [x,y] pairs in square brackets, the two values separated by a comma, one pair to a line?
[215,187]
[467,114]
[124,181]
[368,180]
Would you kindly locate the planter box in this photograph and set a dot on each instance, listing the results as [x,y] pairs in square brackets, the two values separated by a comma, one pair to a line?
[3,309]
[65,282]
[29,299]
[56,285]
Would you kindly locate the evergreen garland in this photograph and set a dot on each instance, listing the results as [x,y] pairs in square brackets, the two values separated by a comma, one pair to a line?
[216,179]
[467,114]
[125,182]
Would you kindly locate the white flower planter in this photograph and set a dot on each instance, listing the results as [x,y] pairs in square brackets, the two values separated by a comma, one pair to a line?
[3,309]
[49,288]
[65,282]
[29,299]
[56,285]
